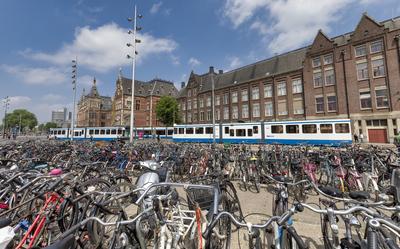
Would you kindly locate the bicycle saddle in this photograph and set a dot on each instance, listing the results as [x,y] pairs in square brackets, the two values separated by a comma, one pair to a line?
[331,191]
[66,243]
[282,179]
[4,222]
[359,195]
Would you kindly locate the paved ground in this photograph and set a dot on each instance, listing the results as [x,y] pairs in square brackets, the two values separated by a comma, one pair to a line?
[307,223]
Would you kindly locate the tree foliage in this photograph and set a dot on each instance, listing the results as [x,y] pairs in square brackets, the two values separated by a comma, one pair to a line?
[21,117]
[50,125]
[167,111]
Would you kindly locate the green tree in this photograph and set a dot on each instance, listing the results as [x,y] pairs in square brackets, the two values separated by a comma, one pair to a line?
[50,125]
[167,111]
[21,117]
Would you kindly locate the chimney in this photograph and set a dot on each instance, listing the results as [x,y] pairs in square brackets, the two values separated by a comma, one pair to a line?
[220,71]
[183,84]
[211,69]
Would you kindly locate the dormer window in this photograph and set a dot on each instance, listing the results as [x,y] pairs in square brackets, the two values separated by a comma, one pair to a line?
[316,62]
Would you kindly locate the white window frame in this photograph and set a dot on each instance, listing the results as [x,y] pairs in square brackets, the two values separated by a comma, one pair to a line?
[365,97]
[359,63]
[244,95]
[235,112]
[375,42]
[255,92]
[268,112]
[355,50]
[321,79]
[268,90]
[325,77]
[281,88]
[380,88]
[383,66]
[297,86]
[255,107]
[234,97]
[298,111]
[316,104]
[327,103]
[326,56]
[245,111]
[284,113]
[313,61]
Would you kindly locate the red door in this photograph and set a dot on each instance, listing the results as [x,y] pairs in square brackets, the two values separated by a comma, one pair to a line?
[377,135]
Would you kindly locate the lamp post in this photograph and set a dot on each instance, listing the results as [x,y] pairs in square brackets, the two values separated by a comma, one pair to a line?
[133,57]
[151,108]
[213,105]
[6,103]
[74,73]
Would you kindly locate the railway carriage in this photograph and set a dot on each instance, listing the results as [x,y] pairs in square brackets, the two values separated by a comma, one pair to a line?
[310,132]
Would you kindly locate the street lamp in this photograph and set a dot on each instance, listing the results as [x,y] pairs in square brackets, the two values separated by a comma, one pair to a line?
[151,108]
[6,102]
[74,78]
[133,57]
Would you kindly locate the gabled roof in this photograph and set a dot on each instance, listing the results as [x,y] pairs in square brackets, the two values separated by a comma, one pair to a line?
[161,87]
[280,64]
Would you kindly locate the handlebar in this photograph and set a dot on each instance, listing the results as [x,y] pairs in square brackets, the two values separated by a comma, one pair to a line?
[206,233]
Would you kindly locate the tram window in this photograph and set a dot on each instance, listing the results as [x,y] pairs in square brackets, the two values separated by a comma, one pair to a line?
[90,132]
[232,132]
[108,132]
[309,128]
[96,132]
[241,132]
[326,128]
[77,133]
[175,130]
[59,133]
[209,130]
[276,128]
[113,131]
[147,133]
[161,132]
[102,132]
[226,130]
[181,130]
[249,132]
[342,128]
[291,129]
[170,132]
[200,130]
[255,129]
[189,130]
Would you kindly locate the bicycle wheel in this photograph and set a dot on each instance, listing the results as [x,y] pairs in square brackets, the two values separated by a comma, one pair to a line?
[327,233]
[223,228]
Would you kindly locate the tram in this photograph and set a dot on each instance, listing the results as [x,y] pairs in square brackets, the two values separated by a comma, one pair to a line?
[333,132]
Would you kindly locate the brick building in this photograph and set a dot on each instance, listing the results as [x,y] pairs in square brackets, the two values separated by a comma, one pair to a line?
[147,95]
[94,110]
[354,75]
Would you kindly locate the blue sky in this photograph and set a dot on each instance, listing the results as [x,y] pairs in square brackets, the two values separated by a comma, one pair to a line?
[40,38]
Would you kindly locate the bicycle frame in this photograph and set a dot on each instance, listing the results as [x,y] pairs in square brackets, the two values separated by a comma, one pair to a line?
[38,225]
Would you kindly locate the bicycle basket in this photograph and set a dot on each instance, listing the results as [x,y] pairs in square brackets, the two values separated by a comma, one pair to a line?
[204,198]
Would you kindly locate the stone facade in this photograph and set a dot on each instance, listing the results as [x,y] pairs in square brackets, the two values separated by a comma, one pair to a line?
[355,75]
[94,110]
[147,95]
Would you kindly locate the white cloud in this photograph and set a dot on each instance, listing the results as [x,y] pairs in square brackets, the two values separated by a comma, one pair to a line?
[155,8]
[234,62]
[104,48]
[87,81]
[260,27]
[40,107]
[36,76]
[194,62]
[175,60]
[239,11]
[19,101]
[52,97]
[287,24]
